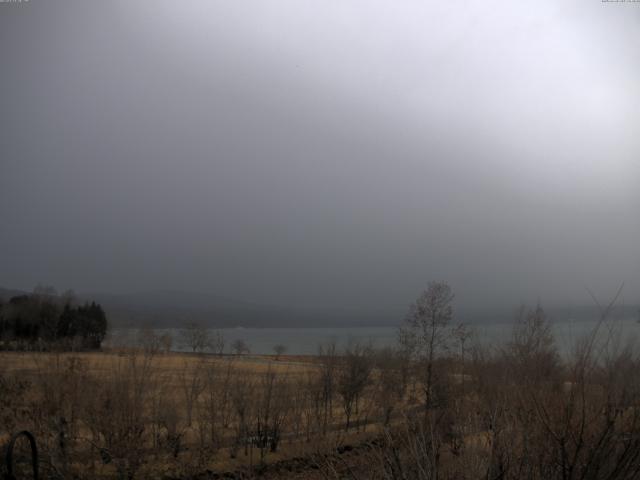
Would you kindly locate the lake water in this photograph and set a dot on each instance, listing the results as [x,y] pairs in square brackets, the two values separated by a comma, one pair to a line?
[305,341]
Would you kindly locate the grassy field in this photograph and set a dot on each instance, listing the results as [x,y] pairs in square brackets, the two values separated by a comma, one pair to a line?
[461,412]
[131,411]
[31,363]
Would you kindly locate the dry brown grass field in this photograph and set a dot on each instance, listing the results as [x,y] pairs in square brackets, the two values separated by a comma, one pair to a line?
[134,413]
[437,407]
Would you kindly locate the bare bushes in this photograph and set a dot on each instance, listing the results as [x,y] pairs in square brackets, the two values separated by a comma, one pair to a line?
[443,407]
[216,409]
[57,407]
[524,412]
[117,414]
[12,400]
[392,369]
[589,428]
[532,353]
[325,387]
[353,377]
[272,407]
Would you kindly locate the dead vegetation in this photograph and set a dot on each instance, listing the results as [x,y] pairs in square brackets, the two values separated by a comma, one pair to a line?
[437,407]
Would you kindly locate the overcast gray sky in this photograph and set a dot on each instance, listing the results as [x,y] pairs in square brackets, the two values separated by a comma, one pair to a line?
[337,153]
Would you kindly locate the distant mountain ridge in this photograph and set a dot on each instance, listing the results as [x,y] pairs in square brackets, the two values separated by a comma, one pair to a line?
[171,309]
[7,293]
[167,308]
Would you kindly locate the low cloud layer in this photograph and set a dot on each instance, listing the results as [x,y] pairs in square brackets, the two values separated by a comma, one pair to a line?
[333,153]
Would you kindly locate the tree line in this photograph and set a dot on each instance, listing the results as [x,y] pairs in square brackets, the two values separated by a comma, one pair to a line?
[43,319]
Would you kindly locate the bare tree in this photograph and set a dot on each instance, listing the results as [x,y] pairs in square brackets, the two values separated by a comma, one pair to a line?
[425,332]
[192,383]
[532,352]
[461,336]
[217,342]
[68,297]
[279,350]
[328,359]
[217,407]
[239,347]
[196,337]
[242,391]
[271,407]
[166,342]
[353,377]
[148,340]
[390,367]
